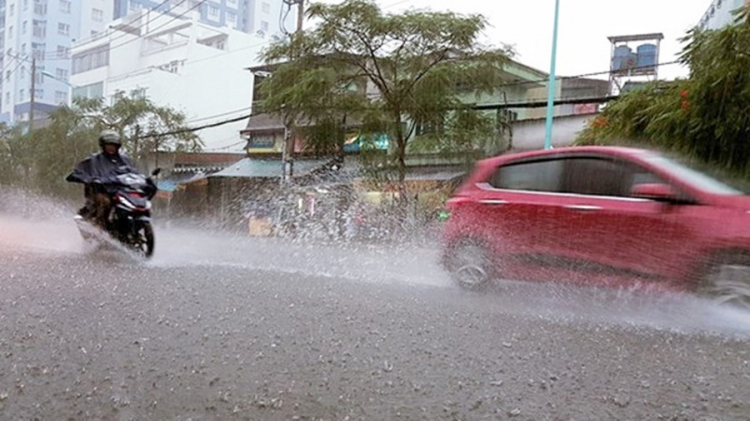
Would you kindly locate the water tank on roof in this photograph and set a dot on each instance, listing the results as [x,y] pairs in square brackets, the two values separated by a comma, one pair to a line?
[647,55]
[622,54]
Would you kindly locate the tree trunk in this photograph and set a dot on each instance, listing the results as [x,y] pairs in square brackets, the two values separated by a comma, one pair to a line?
[403,198]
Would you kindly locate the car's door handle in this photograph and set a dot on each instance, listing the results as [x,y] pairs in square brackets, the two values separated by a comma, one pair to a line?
[583,208]
[493,202]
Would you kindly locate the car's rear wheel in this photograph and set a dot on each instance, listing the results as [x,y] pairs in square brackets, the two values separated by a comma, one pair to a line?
[469,265]
[727,280]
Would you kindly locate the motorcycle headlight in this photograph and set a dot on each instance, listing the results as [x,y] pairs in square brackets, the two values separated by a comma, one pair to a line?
[125,202]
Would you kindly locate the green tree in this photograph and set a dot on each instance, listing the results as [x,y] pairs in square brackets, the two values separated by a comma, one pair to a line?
[42,159]
[706,116]
[16,156]
[384,73]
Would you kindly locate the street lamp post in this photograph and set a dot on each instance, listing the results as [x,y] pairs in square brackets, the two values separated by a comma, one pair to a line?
[551,90]
[63,81]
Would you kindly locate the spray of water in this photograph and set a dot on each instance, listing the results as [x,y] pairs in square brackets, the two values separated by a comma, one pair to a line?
[47,227]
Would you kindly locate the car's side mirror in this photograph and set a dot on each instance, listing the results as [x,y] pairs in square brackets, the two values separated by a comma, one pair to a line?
[155,172]
[654,191]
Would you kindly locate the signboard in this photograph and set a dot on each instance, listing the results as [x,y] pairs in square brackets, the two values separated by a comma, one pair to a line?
[262,142]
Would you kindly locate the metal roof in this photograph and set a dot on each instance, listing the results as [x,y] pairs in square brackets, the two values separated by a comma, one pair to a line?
[267,168]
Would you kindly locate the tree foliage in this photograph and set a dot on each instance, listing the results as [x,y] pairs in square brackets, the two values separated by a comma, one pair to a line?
[41,159]
[383,73]
[706,116]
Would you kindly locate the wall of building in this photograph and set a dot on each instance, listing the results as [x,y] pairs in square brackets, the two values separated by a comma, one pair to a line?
[172,67]
[529,134]
[44,31]
[719,13]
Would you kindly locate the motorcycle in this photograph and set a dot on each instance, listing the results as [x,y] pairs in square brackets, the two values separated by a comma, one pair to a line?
[129,220]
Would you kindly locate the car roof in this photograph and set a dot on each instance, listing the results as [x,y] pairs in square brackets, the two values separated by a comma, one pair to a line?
[619,151]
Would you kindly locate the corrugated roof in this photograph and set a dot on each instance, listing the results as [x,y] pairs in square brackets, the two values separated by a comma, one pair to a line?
[263,168]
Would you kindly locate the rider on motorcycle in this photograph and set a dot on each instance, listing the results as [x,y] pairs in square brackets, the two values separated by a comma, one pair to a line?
[99,170]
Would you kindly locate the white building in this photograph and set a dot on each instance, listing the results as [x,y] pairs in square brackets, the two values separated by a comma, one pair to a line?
[190,66]
[43,32]
[262,17]
[719,14]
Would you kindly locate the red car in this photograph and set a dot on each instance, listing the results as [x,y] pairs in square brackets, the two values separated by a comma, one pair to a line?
[599,215]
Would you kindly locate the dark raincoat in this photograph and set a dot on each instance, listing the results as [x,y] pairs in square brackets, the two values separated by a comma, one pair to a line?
[101,168]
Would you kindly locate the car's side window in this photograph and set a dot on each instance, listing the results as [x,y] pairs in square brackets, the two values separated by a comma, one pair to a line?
[542,176]
[596,177]
[600,176]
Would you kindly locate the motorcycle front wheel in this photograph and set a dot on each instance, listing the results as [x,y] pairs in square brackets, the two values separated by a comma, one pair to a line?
[143,241]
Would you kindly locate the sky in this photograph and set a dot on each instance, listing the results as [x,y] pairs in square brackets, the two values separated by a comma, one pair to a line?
[584,26]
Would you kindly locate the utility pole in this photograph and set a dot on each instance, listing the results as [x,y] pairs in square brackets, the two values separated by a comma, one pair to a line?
[33,94]
[551,88]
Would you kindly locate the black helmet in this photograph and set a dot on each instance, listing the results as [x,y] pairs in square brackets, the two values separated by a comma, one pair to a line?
[109,137]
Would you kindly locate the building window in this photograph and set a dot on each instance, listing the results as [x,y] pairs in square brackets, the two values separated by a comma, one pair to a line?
[21,94]
[232,3]
[61,74]
[23,49]
[213,11]
[65,6]
[62,51]
[91,59]
[61,97]
[40,8]
[95,90]
[97,15]
[10,32]
[264,26]
[63,29]
[7,75]
[38,50]
[22,74]
[24,27]
[25,4]
[38,93]
[7,97]
[12,9]
[266,8]
[134,6]
[39,29]
[231,19]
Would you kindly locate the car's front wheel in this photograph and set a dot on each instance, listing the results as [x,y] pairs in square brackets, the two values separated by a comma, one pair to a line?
[468,263]
[727,280]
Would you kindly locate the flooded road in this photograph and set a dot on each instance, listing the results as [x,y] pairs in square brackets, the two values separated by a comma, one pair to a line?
[220,327]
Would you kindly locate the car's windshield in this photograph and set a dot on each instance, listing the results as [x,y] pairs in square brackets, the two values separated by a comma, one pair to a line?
[691,176]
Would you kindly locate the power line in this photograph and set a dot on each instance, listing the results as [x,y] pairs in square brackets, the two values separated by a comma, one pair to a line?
[478,107]
[174,18]
[93,38]
[223,148]
[527,104]
[584,75]
[396,3]
[220,115]
[503,85]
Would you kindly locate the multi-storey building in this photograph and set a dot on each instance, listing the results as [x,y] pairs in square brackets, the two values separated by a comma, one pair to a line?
[175,61]
[41,32]
[719,13]
[261,17]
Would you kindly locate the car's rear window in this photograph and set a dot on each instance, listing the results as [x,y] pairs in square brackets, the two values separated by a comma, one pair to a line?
[531,176]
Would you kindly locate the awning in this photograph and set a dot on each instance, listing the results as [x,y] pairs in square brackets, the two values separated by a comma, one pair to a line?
[268,168]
